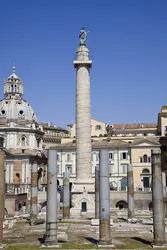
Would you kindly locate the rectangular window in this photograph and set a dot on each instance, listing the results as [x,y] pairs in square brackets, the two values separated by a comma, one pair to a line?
[98,127]
[124,156]
[149,159]
[58,157]
[110,156]
[83,206]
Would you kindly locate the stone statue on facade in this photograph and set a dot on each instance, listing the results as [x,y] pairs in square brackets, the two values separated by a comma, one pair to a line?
[82,36]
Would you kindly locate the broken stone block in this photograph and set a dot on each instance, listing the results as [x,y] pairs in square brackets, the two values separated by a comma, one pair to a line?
[37,222]
[132,220]
[62,237]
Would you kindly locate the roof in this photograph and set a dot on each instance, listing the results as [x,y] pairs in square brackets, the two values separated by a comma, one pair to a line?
[13,109]
[13,75]
[106,143]
[52,127]
[150,140]
[134,126]
[72,124]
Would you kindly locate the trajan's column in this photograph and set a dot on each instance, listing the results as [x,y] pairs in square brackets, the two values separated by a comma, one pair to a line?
[83,189]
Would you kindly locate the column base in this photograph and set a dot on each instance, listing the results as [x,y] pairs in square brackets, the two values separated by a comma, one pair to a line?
[159,243]
[105,245]
[54,245]
[159,246]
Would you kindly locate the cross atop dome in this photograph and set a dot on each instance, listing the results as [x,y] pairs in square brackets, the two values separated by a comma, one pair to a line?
[14,69]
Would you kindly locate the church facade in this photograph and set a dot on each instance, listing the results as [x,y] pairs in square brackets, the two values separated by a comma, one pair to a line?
[23,137]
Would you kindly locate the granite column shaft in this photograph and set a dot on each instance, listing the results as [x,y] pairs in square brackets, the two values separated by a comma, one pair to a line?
[157,198]
[130,191]
[51,218]
[34,192]
[97,192]
[66,196]
[104,200]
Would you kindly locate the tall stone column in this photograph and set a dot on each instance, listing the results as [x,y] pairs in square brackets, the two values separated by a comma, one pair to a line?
[104,201]
[130,192]
[84,185]
[34,193]
[157,199]
[51,218]
[97,179]
[2,190]
[66,196]
[83,116]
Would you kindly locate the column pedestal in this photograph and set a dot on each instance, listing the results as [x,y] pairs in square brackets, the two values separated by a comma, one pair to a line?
[83,200]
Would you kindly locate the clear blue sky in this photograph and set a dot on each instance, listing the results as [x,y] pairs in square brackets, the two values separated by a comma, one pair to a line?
[128,45]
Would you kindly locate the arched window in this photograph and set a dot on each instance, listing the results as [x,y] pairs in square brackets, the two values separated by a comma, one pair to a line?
[145,171]
[23,141]
[145,158]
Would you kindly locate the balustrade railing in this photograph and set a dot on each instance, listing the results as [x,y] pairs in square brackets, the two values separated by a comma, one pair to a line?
[17,188]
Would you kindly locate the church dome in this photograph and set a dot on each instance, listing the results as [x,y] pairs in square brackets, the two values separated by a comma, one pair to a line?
[14,109]
[13,106]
